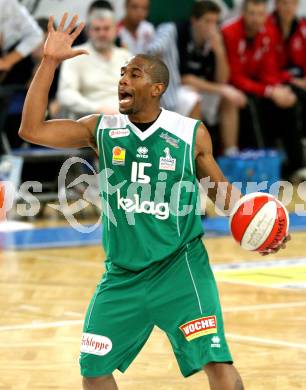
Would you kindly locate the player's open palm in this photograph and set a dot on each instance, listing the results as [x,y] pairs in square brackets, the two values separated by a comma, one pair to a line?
[59,41]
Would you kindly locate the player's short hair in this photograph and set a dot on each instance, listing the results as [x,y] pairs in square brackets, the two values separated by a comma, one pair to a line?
[158,69]
[100,4]
[203,7]
[247,2]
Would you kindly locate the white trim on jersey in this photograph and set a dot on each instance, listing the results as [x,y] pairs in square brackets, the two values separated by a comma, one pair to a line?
[179,192]
[143,135]
[174,123]
[106,178]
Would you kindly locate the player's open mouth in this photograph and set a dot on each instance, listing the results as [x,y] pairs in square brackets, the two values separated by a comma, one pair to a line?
[125,98]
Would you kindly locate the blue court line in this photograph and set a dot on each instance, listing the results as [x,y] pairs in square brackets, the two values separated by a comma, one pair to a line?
[63,237]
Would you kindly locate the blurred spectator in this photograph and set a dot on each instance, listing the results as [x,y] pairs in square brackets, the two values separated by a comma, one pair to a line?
[97,4]
[37,55]
[19,36]
[134,31]
[252,58]
[88,84]
[164,45]
[229,8]
[232,8]
[290,35]
[202,63]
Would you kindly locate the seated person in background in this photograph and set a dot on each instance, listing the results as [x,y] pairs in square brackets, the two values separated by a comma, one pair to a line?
[19,36]
[232,8]
[290,35]
[97,4]
[88,84]
[252,57]
[134,31]
[175,99]
[204,69]
[194,53]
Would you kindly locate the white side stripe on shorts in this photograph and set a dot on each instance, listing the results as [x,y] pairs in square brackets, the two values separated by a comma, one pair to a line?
[194,285]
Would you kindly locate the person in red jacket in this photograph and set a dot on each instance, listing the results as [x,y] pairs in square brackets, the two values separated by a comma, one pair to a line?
[290,43]
[250,44]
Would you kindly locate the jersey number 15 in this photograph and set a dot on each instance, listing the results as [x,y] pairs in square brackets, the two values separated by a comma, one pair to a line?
[138,172]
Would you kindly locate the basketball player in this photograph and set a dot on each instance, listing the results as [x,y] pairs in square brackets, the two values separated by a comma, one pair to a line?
[157,269]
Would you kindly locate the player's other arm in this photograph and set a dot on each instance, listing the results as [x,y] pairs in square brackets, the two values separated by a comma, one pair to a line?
[219,189]
[54,133]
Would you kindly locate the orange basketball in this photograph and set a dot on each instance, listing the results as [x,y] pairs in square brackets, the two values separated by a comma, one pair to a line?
[259,222]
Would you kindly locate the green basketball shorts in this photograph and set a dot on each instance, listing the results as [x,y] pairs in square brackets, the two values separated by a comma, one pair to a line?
[179,295]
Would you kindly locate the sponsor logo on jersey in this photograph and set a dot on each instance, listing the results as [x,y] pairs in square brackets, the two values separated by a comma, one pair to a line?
[118,133]
[167,163]
[172,141]
[118,156]
[159,210]
[142,152]
[95,344]
[199,327]
[215,342]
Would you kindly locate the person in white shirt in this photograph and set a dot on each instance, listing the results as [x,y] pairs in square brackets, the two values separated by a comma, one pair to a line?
[134,31]
[19,34]
[88,84]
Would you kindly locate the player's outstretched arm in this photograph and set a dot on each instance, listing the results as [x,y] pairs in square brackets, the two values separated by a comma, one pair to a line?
[54,133]
[219,189]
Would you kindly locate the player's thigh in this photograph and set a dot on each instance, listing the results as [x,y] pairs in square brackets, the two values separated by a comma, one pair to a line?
[115,326]
[190,311]
[187,98]
[210,103]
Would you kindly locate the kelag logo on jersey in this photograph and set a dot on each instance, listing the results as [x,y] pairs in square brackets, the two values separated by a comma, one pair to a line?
[159,210]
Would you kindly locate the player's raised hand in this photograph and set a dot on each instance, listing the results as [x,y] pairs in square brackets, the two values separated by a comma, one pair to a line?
[59,42]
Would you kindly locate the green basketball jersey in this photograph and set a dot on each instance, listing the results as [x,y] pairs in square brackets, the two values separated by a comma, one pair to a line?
[149,190]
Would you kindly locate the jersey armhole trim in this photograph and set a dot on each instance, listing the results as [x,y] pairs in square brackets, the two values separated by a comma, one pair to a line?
[198,123]
[97,128]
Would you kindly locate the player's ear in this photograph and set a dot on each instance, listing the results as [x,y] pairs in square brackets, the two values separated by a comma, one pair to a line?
[158,89]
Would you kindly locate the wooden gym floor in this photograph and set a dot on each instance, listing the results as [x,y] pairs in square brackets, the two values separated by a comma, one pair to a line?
[44,295]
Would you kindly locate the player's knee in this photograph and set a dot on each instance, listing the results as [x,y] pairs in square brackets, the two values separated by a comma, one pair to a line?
[224,372]
[98,382]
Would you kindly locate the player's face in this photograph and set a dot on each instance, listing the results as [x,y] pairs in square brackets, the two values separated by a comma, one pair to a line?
[255,16]
[102,33]
[135,89]
[287,9]
[205,26]
[137,10]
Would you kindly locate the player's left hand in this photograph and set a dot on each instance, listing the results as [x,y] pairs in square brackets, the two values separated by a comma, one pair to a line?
[282,245]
